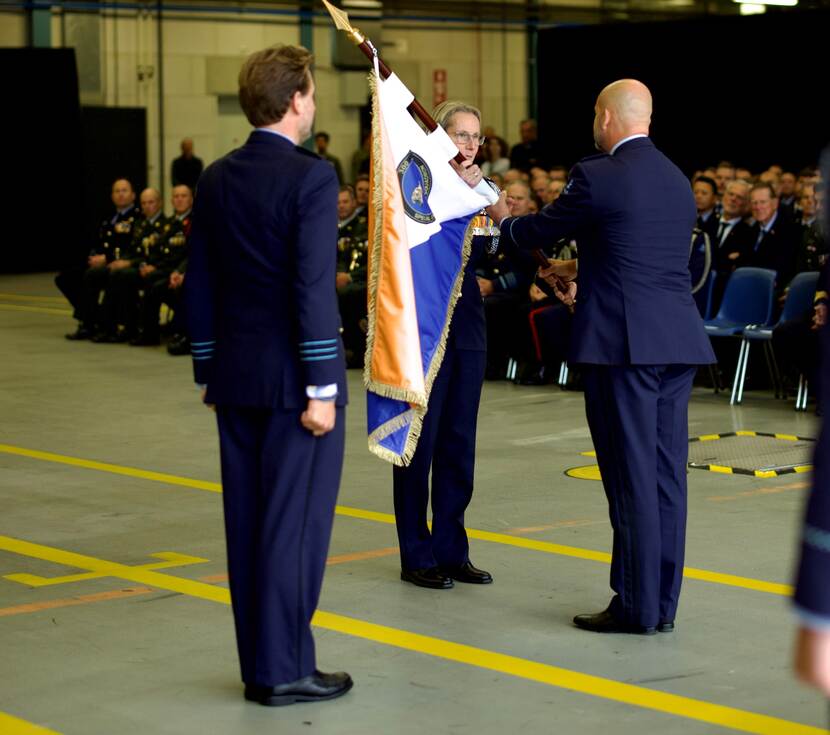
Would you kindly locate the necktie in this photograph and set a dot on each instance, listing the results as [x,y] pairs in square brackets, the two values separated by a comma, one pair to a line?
[761,234]
[722,231]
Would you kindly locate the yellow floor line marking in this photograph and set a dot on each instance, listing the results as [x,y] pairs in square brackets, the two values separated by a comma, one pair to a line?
[36,309]
[31,607]
[673,704]
[27,297]
[10,725]
[171,559]
[731,580]
[552,526]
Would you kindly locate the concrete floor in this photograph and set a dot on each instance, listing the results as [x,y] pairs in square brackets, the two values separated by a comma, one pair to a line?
[127,656]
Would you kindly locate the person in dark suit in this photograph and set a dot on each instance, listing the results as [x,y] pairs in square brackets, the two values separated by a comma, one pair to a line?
[705,191]
[448,435]
[262,312]
[812,589]
[187,168]
[638,336]
[776,236]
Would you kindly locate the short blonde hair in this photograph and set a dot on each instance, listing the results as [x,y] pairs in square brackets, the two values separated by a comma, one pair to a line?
[443,114]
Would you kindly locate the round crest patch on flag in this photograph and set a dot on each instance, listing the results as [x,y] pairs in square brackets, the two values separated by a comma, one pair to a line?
[416,184]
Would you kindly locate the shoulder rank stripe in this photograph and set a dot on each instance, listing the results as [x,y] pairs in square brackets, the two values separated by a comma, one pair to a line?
[202,350]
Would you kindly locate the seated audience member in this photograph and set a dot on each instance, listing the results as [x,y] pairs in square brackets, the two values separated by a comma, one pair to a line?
[733,237]
[495,157]
[164,277]
[539,187]
[352,242]
[813,250]
[361,193]
[772,178]
[744,174]
[559,173]
[787,194]
[321,144]
[724,173]
[83,286]
[498,180]
[776,236]
[553,190]
[706,197]
[528,152]
[503,280]
[131,273]
[514,174]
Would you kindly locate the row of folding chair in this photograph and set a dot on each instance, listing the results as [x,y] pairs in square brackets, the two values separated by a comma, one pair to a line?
[747,312]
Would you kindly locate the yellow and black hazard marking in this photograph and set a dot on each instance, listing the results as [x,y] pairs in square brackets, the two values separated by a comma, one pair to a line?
[758,456]
[753,453]
[783,437]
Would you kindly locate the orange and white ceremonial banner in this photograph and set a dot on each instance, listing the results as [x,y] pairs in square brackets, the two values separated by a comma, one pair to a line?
[419,244]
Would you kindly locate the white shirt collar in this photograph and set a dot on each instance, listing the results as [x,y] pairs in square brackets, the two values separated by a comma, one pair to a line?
[625,140]
[768,226]
[276,132]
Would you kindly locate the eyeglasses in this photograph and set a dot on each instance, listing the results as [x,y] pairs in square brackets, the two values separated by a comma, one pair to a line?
[466,138]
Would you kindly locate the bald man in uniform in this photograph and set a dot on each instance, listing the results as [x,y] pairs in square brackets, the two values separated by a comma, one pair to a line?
[638,336]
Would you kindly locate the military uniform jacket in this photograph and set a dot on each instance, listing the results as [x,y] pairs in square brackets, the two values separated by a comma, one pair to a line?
[170,253]
[352,244]
[632,214]
[115,235]
[260,287]
[147,238]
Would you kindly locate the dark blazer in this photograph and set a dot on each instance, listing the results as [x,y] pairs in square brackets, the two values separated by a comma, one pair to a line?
[632,214]
[740,239]
[468,329]
[260,286]
[778,250]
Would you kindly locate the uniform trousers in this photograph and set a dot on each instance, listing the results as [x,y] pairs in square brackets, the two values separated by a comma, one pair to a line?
[447,447]
[279,491]
[638,417]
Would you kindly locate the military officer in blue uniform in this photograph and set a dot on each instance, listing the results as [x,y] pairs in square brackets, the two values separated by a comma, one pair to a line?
[262,312]
[638,336]
[446,448]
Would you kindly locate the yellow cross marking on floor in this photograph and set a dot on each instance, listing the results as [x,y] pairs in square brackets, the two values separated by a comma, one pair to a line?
[10,725]
[575,681]
[731,580]
[171,559]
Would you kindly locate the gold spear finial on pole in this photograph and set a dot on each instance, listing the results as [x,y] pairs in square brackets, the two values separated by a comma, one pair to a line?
[341,22]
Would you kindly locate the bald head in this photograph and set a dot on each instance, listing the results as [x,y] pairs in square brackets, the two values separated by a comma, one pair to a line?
[622,109]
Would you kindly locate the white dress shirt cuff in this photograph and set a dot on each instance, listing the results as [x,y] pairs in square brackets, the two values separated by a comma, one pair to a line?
[819,623]
[322,392]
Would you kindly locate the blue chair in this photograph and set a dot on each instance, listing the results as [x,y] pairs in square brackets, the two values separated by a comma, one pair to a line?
[748,300]
[799,302]
[705,295]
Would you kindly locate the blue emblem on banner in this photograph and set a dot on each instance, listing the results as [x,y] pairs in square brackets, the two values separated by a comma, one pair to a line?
[416,184]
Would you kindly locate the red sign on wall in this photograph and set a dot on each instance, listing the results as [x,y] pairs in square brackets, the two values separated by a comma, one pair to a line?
[439,86]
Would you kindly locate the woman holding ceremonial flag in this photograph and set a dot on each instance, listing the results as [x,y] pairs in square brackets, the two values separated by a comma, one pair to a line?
[447,438]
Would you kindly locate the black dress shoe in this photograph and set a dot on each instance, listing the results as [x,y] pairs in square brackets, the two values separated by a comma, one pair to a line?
[431,578]
[80,333]
[315,688]
[605,622]
[467,573]
[666,627]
